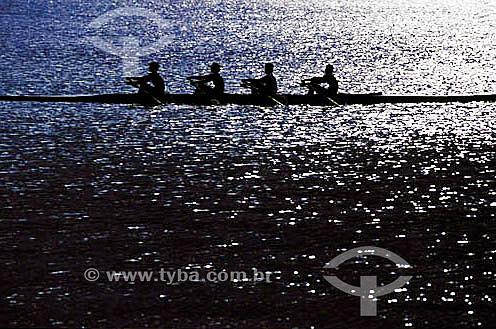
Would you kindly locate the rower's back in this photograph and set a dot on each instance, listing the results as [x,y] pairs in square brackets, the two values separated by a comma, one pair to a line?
[331,80]
[217,79]
[269,81]
[158,83]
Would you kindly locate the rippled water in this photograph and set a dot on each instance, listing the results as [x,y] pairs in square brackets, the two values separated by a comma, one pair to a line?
[281,189]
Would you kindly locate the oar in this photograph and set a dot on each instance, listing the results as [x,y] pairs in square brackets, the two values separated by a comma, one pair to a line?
[135,84]
[248,84]
[306,84]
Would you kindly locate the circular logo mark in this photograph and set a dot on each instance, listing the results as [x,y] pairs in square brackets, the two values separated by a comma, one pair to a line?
[368,290]
[130,51]
[91,274]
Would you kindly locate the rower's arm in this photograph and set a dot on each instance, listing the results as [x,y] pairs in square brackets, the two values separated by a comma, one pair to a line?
[312,81]
[318,80]
[138,79]
[197,77]
[250,82]
[133,81]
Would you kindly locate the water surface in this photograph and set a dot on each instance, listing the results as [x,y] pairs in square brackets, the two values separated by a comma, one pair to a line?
[281,189]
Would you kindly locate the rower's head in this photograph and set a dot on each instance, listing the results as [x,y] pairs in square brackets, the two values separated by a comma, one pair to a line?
[329,69]
[269,68]
[215,68]
[153,67]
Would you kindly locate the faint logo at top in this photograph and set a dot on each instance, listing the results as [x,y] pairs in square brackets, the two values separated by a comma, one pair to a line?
[130,49]
[368,290]
[200,3]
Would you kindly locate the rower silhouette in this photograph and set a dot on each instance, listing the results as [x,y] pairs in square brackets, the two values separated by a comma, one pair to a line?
[201,82]
[266,85]
[314,84]
[150,84]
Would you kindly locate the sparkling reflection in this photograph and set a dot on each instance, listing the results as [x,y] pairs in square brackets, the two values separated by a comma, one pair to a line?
[234,188]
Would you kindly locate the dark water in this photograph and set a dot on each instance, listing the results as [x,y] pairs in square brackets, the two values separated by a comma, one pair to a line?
[231,188]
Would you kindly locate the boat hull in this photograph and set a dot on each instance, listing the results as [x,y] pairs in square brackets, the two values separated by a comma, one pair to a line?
[247,99]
